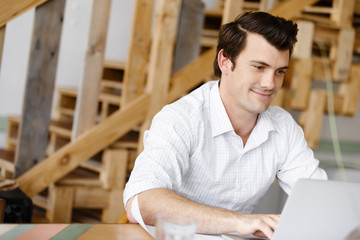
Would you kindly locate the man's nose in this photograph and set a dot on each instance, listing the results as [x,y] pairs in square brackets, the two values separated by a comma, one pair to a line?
[268,81]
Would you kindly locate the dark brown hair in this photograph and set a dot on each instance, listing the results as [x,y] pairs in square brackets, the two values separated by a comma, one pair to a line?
[278,31]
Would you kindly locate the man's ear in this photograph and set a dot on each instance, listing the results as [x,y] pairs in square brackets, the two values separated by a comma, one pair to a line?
[225,63]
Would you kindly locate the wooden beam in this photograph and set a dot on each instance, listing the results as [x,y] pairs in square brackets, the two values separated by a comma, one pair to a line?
[303,47]
[114,166]
[301,83]
[291,8]
[161,57]
[60,204]
[114,210]
[343,13]
[191,75]
[2,39]
[138,54]
[232,8]
[311,119]
[35,118]
[350,91]
[344,53]
[9,9]
[88,93]
[94,140]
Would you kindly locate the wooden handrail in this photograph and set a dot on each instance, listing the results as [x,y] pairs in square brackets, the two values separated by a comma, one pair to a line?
[9,9]
[88,144]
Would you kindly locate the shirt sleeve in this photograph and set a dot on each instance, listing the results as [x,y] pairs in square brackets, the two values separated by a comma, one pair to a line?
[300,161]
[165,157]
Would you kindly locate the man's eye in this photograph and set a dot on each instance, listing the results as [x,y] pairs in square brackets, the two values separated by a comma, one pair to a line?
[281,72]
[259,67]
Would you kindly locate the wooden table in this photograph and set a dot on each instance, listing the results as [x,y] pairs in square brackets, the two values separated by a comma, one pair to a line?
[73,231]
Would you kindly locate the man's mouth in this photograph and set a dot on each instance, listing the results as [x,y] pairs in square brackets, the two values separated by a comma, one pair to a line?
[262,93]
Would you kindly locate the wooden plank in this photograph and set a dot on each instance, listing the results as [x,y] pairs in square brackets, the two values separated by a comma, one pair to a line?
[319,68]
[343,14]
[191,75]
[161,57]
[113,174]
[93,165]
[138,54]
[191,21]
[9,9]
[344,53]
[311,119]
[91,197]
[33,135]
[2,38]
[114,210]
[328,36]
[301,83]
[40,201]
[291,8]
[232,8]
[87,100]
[60,204]
[7,160]
[350,90]
[319,9]
[72,155]
[2,209]
[303,47]
[357,7]
[113,64]
[12,132]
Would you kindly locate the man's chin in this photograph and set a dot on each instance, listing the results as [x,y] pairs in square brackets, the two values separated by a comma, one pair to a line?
[261,109]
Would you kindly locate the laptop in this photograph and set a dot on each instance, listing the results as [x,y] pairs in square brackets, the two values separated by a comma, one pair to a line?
[316,210]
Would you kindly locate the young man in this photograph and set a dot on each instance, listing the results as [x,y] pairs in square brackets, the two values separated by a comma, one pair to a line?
[214,153]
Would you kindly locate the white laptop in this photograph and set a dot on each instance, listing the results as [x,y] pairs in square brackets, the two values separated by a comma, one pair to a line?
[317,210]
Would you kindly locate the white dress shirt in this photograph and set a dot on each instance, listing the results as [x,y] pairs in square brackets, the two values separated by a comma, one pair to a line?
[192,149]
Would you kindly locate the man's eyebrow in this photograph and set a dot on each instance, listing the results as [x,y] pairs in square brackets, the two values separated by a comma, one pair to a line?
[266,64]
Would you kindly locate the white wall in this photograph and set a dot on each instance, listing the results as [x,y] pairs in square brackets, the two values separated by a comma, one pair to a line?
[120,23]
[14,63]
[74,39]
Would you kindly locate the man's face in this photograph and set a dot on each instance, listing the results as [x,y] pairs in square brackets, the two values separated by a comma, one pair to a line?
[257,76]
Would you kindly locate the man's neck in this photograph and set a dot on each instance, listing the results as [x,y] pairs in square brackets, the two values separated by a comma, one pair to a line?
[242,123]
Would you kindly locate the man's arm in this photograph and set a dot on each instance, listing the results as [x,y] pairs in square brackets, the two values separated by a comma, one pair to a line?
[210,220]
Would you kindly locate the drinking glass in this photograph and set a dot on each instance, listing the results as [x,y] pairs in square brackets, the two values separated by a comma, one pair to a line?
[174,227]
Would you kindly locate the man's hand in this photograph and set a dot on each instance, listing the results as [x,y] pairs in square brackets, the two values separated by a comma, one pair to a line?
[260,225]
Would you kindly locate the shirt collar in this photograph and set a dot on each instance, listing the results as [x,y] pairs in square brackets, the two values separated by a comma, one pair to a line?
[262,129]
[220,121]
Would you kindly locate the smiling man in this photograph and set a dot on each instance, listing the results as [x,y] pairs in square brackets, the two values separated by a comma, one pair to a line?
[214,153]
